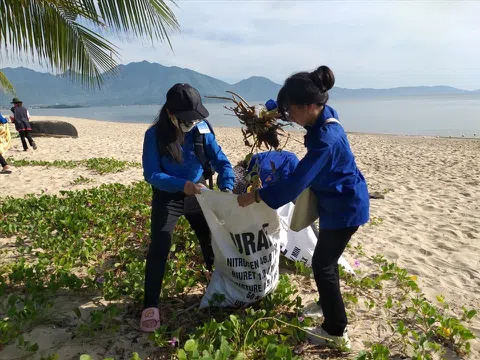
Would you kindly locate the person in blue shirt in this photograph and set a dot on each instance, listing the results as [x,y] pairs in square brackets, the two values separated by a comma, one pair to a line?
[172,167]
[330,170]
[270,166]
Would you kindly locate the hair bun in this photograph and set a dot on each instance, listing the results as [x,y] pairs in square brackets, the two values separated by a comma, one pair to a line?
[323,77]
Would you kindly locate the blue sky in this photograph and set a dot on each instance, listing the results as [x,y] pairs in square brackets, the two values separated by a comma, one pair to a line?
[366,43]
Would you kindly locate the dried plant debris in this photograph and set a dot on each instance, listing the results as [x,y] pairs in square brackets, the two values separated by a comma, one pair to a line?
[260,125]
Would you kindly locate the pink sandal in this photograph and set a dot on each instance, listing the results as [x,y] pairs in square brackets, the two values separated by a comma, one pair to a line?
[150,320]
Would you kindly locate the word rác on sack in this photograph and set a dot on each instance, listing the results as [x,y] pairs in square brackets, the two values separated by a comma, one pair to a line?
[246,243]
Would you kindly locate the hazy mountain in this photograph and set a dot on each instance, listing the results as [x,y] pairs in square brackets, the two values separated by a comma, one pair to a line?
[147,83]
[401,91]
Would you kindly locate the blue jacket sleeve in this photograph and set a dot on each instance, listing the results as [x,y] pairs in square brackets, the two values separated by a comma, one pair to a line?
[226,176]
[288,189]
[293,162]
[152,169]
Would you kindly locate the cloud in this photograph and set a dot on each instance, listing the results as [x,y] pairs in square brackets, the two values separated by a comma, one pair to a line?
[366,43]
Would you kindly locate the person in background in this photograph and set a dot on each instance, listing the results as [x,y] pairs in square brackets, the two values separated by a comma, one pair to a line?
[5,138]
[330,170]
[21,118]
[172,167]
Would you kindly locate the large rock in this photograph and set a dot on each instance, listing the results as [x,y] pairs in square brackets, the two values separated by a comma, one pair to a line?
[58,129]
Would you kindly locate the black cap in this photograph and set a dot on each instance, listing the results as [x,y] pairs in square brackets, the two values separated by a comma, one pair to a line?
[185,103]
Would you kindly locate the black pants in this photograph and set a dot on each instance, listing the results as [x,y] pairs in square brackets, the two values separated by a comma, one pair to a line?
[3,162]
[26,134]
[330,246]
[166,209]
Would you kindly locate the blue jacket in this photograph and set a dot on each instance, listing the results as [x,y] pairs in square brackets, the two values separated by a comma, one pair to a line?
[3,120]
[330,170]
[167,175]
[284,161]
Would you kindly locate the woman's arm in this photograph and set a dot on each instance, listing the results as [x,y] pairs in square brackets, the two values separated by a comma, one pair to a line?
[288,189]
[152,169]
[220,162]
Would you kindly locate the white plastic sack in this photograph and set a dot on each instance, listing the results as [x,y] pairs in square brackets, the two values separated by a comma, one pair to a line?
[299,246]
[246,243]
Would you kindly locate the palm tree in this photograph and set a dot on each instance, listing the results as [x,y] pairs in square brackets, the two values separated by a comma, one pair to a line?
[69,35]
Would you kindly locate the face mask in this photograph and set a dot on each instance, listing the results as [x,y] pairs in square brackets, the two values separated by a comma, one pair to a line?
[186,128]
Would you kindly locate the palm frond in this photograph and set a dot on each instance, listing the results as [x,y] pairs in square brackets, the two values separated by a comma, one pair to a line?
[5,85]
[58,33]
[51,34]
[144,18]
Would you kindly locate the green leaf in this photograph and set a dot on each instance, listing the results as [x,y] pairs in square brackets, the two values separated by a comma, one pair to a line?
[467,334]
[471,314]
[190,345]
[86,357]
[225,350]
[362,355]
[5,85]
[389,303]
[181,354]
[33,347]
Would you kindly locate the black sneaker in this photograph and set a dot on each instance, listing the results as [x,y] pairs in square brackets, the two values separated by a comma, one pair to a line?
[34,146]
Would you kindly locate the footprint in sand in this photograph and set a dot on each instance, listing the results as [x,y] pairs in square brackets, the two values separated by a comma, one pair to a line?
[425,252]
[450,232]
[428,208]
[474,275]
[444,246]
[470,235]
[392,255]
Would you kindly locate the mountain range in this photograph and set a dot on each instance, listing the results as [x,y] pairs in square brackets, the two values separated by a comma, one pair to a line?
[143,83]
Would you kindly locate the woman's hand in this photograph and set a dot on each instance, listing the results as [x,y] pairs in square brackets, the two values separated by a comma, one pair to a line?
[191,188]
[246,199]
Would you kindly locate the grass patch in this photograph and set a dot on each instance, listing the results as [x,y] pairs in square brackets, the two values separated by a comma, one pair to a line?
[81,180]
[93,243]
[98,165]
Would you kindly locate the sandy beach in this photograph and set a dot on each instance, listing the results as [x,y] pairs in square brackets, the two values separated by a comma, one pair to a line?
[429,219]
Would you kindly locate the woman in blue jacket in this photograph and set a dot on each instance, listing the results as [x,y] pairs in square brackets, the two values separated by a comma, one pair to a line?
[172,167]
[329,169]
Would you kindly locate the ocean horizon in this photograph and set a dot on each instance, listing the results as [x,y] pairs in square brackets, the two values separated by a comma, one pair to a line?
[421,116]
